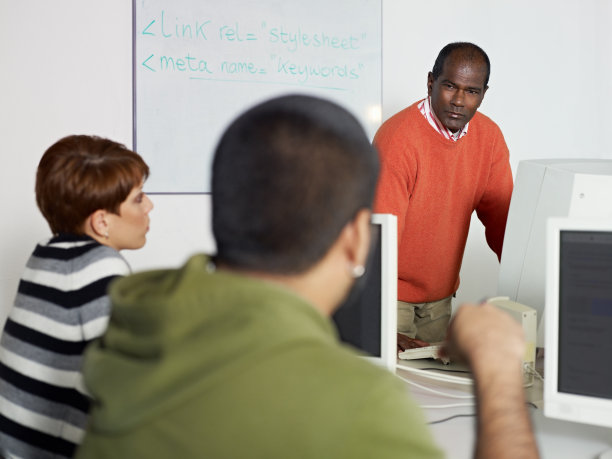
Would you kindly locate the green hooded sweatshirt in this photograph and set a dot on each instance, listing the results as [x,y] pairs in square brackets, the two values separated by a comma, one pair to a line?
[203,364]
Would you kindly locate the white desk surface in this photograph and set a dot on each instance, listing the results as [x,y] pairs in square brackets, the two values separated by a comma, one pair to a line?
[556,439]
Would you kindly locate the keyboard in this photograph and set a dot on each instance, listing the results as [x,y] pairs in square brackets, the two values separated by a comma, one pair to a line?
[427,352]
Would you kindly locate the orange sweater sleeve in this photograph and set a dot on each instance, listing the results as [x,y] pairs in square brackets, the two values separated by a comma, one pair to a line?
[397,173]
[492,209]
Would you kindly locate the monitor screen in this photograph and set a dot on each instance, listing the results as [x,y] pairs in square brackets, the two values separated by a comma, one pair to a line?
[578,358]
[368,317]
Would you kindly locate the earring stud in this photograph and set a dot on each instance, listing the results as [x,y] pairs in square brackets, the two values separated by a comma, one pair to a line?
[357,271]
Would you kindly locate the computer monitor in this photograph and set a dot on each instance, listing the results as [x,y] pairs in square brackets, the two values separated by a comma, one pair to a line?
[543,189]
[367,319]
[577,363]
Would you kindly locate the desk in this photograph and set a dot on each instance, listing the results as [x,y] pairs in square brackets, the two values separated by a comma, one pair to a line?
[556,439]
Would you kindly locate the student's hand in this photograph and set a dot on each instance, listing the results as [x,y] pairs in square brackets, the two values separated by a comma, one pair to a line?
[484,334]
[404,342]
[492,344]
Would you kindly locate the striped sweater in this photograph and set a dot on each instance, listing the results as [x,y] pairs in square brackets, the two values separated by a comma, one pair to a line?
[60,306]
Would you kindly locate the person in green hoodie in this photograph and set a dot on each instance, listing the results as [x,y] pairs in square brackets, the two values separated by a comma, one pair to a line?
[236,356]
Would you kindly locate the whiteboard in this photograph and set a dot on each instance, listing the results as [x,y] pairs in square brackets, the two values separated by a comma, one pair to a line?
[198,64]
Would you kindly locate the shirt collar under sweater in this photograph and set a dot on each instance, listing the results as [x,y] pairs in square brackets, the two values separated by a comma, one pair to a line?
[425,109]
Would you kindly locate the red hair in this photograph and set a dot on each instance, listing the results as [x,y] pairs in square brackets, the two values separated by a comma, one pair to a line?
[80,174]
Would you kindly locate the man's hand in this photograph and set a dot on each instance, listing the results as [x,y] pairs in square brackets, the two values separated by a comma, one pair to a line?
[484,335]
[492,344]
[404,342]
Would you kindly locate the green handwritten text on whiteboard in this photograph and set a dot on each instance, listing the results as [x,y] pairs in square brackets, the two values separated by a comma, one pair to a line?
[199,64]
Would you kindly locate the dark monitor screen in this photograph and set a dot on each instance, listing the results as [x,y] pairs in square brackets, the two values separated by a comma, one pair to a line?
[585,313]
[359,318]
[368,317]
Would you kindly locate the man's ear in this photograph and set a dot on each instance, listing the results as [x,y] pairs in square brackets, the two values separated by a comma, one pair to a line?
[97,223]
[482,97]
[358,238]
[430,82]
[483,93]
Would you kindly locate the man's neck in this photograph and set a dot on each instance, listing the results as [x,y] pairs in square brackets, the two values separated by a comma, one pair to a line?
[311,286]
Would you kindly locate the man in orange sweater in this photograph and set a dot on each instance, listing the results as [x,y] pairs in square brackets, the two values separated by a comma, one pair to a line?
[441,160]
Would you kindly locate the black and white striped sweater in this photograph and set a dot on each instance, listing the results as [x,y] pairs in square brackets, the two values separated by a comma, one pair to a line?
[61,305]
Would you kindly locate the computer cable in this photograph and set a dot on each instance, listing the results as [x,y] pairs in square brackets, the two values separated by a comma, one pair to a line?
[439,421]
[437,376]
[468,415]
[435,391]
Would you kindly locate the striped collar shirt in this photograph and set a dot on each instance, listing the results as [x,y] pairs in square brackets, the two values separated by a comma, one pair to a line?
[425,109]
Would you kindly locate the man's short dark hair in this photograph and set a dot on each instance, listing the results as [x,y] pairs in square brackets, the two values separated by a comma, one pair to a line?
[288,175]
[469,51]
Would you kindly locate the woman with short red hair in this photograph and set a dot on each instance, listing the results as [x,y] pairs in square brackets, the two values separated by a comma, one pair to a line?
[89,189]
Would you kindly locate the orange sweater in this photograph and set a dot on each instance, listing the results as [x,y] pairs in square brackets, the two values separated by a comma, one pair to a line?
[433,185]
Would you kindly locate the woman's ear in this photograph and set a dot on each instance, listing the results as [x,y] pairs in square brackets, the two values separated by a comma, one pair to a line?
[96,225]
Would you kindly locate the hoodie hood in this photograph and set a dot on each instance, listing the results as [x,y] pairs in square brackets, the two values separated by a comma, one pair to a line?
[173,333]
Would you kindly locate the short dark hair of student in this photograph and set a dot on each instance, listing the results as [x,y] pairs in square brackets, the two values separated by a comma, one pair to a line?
[80,174]
[469,51]
[288,175]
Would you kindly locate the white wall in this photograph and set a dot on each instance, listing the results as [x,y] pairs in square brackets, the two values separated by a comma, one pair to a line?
[65,67]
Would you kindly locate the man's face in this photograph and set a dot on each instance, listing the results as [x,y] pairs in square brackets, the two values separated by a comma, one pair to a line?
[458,91]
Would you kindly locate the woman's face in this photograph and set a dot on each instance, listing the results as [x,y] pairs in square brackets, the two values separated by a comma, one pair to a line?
[128,230]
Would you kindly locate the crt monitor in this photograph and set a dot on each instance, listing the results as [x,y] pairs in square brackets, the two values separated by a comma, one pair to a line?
[367,319]
[578,360]
[542,189]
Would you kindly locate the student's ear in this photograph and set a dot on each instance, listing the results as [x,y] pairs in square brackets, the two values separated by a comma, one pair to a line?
[358,238]
[97,224]
[364,233]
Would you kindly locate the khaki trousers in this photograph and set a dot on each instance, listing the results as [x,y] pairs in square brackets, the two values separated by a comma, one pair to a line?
[425,321]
